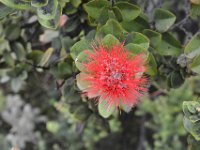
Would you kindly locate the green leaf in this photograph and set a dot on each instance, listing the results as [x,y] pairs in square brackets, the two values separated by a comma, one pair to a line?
[79,47]
[49,11]
[80,59]
[16,84]
[52,23]
[4,45]
[75,3]
[52,126]
[137,25]
[35,56]
[190,110]
[13,32]
[17,4]
[104,16]
[192,128]
[155,37]
[90,35]
[109,40]
[19,51]
[69,93]
[62,71]
[176,79]
[46,57]
[39,3]
[4,11]
[104,111]
[187,124]
[135,49]
[195,11]
[192,49]
[152,65]
[129,11]
[139,39]
[169,46]
[9,59]
[70,10]
[112,27]
[81,113]
[82,82]
[94,7]
[117,13]
[195,65]
[164,19]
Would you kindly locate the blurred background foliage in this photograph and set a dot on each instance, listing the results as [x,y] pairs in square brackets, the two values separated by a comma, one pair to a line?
[41,105]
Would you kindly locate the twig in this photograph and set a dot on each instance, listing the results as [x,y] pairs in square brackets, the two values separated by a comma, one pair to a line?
[180,23]
[112,2]
[142,138]
[59,85]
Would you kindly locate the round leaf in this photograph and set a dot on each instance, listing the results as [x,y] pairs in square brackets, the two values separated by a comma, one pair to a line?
[4,10]
[104,111]
[164,19]
[46,57]
[169,46]
[49,11]
[112,27]
[129,11]
[79,47]
[94,7]
[192,49]
[109,40]
[82,83]
[137,25]
[51,23]
[155,37]
[80,59]
[135,49]
[139,39]
[152,65]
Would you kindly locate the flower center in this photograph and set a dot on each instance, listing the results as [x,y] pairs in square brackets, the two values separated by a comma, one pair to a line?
[113,74]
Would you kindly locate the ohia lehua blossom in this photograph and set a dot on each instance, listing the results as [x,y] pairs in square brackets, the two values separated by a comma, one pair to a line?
[112,75]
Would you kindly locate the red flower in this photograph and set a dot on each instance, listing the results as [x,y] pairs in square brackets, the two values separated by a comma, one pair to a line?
[114,76]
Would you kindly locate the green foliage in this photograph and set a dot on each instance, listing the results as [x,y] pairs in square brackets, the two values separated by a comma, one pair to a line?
[191,119]
[128,11]
[4,10]
[164,20]
[192,52]
[168,133]
[195,11]
[48,11]
[97,7]
[44,67]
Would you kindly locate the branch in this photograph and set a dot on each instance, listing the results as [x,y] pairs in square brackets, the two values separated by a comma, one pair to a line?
[112,2]
[182,22]
[142,138]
